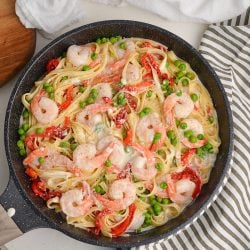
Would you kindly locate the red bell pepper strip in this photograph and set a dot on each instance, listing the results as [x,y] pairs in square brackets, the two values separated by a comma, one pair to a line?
[148,61]
[31,173]
[121,228]
[107,100]
[99,220]
[129,137]
[186,157]
[66,121]
[52,64]
[192,175]
[171,81]
[138,87]
[147,45]
[68,99]
[121,117]
[131,101]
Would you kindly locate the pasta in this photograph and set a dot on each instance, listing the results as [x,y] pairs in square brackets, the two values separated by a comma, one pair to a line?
[119,135]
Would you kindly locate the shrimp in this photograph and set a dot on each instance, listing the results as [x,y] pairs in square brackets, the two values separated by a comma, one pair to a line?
[90,115]
[122,194]
[177,106]
[79,55]
[148,126]
[75,202]
[137,221]
[129,48]
[132,73]
[105,91]
[32,158]
[57,160]
[85,156]
[181,191]
[118,155]
[196,127]
[143,167]
[44,109]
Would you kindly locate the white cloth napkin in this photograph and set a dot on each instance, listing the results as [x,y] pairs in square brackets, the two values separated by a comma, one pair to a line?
[49,16]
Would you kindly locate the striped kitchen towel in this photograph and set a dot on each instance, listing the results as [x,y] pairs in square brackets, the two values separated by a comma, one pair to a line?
[225,225]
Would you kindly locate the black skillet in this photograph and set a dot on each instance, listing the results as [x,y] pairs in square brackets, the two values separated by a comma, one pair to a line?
[31,211]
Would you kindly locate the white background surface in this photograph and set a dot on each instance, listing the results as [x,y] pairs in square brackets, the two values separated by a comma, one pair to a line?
[48,239]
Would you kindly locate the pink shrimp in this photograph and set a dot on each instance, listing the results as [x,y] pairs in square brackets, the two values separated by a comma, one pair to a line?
[79,55]
[32,158]
[86,158]
[139,87]
[143,167]
[90,115]
[76,202]
[132,73]
[177,106]
[122,194]
[196,127]
[44,109]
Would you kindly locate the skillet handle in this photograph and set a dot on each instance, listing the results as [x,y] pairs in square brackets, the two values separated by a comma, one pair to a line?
[25,217]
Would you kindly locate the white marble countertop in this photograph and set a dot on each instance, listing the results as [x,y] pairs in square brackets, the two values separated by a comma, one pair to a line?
[51,239]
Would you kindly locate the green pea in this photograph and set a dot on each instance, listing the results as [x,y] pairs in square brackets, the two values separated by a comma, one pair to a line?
[169,92]
[174,141]
[150,210]
[119,38]
[94,93]
[46,85]
[22,137]
[127,149]
[85,68]
[41,160]
[52,95]
[159,166]
[167,64]
[123,45]
[185,82]
[161,152]
[82,89]
[149,93]
[142,198]
[170,134]
[26,113]
[188,133]
[39,131]
[22,152]
[151,197]
[73,146]
[177,122]
[182,66]
[157,208]
[98,41]
[158,199]
[147,215]
[200,152]
[183,125]
[192,139]
[113,40]
[164,87]
[21,131]
[194,97]
[208,146]
[93,56]
[104,40]
[65,78]
[49,89]
[177,63]
[190,75]
[166,201]
[165,82]
[90,100]
[147,222]
[147,110]
[153,202]
[98,189]
[157,137]
[64,144]
[20,144]
[211,119]
[108,163]
[82,104]
[180,74]
[200,136]
[25,126]
[179,93]
[211,151]
[163,185]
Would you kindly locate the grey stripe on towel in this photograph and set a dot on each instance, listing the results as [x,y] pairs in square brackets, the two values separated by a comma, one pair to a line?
[226,225]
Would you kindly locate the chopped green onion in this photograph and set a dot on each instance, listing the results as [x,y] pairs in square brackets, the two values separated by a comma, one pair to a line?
[163,185]
[157,137]
[194,97]
[108,163]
